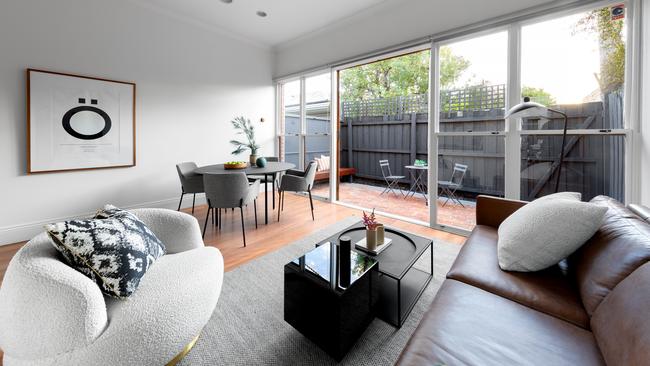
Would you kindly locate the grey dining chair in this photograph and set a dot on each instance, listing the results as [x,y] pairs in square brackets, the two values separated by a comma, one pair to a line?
[191,183]
[273,181]
[297,181]
[229,191]
[390,179]
[449,187]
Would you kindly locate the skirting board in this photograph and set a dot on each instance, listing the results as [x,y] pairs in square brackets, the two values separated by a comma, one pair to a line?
[22,232]
[14,234]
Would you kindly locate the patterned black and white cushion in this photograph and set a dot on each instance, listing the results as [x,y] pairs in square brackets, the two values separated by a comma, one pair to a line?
[115,249]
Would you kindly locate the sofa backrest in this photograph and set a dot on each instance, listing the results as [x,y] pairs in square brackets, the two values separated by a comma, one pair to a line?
[621,245]
[620,323]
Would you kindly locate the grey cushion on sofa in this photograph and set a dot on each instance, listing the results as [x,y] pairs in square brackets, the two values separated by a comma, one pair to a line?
[545,231]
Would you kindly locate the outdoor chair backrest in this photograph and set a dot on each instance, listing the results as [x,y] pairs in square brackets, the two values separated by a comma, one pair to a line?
[385,168]
[458,174]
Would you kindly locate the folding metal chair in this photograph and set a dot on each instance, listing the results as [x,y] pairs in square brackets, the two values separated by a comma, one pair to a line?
[392,181]
[449,187]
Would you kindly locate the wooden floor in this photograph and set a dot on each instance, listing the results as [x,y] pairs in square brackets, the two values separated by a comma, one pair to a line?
[295,223]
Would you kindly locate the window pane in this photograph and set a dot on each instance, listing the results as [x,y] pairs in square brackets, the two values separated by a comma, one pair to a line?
[473,86]
[318,91]
[593,165]
[291,149]
[468,166]
[290,123]
[576,64]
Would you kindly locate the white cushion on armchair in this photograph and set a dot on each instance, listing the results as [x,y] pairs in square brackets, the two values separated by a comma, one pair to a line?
[52,314]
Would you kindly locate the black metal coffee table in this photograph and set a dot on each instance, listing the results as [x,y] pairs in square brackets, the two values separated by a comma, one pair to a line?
[400,283]
[330,297]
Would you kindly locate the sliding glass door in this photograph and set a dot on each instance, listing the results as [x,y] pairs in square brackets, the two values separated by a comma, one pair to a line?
[472,84]
[304,128]
[383,124]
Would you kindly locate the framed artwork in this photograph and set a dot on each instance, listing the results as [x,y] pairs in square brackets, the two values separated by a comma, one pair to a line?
[78,122]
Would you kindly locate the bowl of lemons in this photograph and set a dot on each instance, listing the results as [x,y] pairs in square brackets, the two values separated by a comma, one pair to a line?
[235,165]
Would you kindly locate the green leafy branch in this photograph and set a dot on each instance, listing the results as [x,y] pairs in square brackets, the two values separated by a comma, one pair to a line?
[243,126]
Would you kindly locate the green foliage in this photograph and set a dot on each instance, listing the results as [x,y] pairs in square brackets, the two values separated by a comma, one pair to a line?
[399,76]
[451,67]
[612,47]
[538,95]
[243,126]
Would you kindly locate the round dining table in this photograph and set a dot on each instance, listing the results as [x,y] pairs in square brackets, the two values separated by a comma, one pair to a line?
[271,169]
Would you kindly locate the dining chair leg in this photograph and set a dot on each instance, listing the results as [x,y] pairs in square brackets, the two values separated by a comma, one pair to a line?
[280,200]
[207,215]
[243,230]
[273,190]
[311,203]
[220,217]
[180,201]
[211,211]
[193,202]
[255,211]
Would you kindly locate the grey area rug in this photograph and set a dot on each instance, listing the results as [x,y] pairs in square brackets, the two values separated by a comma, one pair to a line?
[247,327]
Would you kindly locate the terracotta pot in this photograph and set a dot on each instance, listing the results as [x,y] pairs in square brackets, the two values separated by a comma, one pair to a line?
[371,239]
[252,159]
[380,234]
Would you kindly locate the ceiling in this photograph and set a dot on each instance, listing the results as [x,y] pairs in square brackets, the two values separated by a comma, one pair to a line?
[286,19]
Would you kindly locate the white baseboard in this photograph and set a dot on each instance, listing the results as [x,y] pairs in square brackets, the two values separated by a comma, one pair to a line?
[26,231]
[22,232]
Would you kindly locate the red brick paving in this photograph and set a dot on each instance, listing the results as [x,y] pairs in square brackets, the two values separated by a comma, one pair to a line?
[452,214]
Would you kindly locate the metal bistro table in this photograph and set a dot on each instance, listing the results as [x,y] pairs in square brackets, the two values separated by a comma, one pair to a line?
[418,173]
[271,169]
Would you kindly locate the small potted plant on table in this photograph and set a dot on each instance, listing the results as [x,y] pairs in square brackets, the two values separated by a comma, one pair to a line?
[245,127]
[370,222]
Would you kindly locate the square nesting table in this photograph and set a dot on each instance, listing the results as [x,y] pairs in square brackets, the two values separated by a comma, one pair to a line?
[330,297]
[400,283]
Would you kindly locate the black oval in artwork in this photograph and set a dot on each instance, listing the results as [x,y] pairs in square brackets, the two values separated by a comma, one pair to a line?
[68,115]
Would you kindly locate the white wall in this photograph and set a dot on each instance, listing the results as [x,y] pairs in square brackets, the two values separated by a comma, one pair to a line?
[190,82]
[385,25]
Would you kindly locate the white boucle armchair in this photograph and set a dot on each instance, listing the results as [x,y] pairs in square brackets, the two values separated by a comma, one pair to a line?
[51,314]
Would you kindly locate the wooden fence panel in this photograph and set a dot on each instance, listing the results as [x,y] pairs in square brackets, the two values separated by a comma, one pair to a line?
[594,165]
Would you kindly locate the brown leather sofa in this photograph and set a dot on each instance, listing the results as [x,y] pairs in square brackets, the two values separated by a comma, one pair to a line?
[591,309]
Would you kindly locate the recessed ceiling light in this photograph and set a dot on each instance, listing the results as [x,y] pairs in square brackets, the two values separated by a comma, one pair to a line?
[226,1]
[261,13]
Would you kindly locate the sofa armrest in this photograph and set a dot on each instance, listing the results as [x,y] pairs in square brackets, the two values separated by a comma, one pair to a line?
[177,230]
[491,211]
[642,211]
[47,307]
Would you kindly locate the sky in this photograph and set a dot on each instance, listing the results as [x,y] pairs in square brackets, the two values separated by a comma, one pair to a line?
[555,58]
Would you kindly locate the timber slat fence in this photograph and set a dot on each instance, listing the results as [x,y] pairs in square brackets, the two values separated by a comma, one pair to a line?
[396,129]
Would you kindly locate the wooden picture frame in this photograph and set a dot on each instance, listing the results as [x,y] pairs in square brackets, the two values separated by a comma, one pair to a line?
[77,122]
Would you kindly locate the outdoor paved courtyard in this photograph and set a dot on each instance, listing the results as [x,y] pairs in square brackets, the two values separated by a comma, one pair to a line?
[414,207]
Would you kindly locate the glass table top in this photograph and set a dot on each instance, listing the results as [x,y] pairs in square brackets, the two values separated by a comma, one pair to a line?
[333,267]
